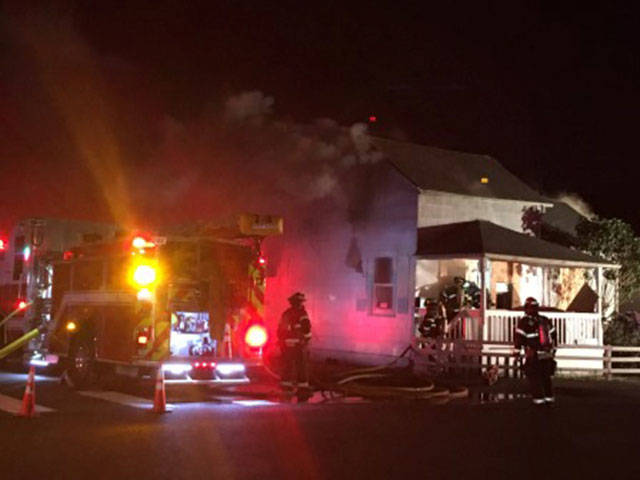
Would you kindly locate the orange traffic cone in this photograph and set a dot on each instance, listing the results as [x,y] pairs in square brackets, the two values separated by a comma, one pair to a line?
[28,409]
[160,397]
[226,341]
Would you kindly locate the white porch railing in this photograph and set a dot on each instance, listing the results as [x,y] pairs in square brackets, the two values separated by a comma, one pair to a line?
[573,328]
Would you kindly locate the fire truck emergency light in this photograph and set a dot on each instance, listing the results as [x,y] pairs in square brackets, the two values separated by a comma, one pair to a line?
[3,245]
[22,304]
[256,336]
[145,295]
[144,275]
[140,243]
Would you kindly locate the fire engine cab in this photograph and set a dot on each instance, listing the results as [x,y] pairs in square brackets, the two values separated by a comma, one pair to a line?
[188,300]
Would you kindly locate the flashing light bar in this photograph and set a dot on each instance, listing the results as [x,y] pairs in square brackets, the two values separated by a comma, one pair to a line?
[140,243]
[230,368]
[204,364]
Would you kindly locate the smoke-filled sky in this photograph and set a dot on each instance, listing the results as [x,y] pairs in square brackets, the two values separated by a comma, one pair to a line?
[160,111]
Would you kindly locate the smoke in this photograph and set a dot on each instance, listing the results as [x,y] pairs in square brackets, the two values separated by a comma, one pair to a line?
[252,106]
[110,151]
[576,202]
[242,158]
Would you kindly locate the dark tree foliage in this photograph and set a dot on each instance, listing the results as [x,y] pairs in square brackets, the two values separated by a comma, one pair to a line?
[533,222]
[614,240]
[623,329]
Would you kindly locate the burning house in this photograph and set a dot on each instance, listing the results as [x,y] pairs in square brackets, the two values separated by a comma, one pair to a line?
[407,226]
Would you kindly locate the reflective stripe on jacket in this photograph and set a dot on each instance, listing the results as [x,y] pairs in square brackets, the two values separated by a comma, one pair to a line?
[294,328]
[536,334]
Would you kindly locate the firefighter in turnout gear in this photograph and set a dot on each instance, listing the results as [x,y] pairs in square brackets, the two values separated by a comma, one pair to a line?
[538,337]
[294,336]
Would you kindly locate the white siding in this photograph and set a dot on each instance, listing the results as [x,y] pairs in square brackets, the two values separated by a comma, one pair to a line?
[439,208]
[319,261]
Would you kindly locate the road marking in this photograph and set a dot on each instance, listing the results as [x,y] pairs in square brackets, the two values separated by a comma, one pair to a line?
[122,399]
[13,405]
[253,403]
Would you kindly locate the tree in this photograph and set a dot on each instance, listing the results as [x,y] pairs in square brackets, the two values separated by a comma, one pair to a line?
[623,329]
[614,240]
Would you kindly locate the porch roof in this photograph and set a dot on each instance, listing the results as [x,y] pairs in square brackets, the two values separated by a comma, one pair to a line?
[482,238]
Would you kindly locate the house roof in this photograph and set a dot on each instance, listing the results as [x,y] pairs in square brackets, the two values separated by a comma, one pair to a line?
[563,217]
[479,237]
[431,168]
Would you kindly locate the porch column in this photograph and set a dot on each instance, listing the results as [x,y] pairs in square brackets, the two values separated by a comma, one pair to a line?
[600,292]
[483,299]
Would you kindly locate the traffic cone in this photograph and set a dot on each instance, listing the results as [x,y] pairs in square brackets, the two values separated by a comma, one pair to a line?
[226,341]
[28,409]
[160,397]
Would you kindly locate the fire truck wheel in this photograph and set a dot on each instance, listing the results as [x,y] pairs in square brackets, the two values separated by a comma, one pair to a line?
[82,368]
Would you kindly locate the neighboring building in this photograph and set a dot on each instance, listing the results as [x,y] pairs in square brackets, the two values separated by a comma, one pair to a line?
[365,263]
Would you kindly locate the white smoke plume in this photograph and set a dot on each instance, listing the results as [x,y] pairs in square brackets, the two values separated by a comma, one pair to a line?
[242,158]
[252,105]
[576,202]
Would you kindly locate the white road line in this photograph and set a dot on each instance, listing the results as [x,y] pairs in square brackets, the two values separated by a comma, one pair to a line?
[253,403]
[122,399]
[13,405]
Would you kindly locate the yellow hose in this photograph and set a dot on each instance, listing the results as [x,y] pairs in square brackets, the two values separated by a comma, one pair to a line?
[16,344]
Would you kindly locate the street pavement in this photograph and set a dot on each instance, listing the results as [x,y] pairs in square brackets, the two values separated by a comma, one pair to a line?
[592,432]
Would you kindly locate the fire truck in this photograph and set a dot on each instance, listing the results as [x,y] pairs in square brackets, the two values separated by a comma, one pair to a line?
[188,300]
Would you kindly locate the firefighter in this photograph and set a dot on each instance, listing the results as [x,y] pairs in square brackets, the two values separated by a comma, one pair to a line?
[432,325]
[538,337]
[294,335]
[451,299]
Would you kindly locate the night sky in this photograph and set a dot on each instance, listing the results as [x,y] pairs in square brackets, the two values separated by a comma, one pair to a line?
[95,90]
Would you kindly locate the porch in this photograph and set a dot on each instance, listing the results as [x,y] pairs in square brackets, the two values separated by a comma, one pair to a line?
[497,326]
[505,268]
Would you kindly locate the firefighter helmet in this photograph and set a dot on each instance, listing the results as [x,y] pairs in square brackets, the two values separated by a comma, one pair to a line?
[531,306]
[297,298]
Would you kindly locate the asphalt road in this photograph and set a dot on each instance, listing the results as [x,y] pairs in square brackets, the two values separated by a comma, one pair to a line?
[592,432]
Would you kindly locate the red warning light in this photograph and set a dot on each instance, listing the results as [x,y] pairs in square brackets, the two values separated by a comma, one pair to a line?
[262,261]
[373,119]
[3,245]
[256,336]
[68,255]
[21,304]
[142,242]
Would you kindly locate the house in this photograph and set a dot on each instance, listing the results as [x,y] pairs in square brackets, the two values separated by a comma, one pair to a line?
[410,224]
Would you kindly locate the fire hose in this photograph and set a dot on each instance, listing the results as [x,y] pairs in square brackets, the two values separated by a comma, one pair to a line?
[16,344]
[383,382]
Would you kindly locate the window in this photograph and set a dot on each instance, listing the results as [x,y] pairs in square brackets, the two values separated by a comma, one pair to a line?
[383,285]
[18,259]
